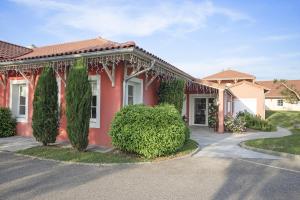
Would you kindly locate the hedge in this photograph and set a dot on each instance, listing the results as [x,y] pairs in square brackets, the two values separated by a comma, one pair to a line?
[149,131]
[256,122]
[7,123]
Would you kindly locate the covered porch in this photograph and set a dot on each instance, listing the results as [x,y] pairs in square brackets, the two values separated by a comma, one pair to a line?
[206,105]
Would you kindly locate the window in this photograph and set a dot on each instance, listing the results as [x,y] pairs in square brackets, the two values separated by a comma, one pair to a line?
[95,104]
[130,94]
[134,93]
[279,102]
[19,99]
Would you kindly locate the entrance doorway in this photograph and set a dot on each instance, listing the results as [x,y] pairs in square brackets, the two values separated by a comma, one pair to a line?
[200,112]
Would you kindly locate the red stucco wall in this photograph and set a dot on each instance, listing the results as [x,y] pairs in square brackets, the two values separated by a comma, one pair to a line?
[111,99]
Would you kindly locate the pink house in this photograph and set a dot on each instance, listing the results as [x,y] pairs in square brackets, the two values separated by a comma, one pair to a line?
[120,74]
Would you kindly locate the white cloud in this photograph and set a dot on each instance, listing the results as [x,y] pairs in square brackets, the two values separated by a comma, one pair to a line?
[281,37]
[133,18]
[290,55]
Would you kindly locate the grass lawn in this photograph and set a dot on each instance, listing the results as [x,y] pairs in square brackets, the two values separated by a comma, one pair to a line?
[288,144]
[69,154]
[285,119]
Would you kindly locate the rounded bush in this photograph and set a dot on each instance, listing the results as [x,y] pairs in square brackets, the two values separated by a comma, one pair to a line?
[7,123]
[149,131]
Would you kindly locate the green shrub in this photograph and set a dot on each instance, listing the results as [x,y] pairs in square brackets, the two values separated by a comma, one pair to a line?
[149,131]
[256,122]
[172,92]
[234,124]
[7,123]
[78,109]
[212,113]
[45,118]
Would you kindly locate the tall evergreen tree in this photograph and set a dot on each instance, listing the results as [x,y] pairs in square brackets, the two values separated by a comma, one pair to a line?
[78,110]
[45,118]
[172,92]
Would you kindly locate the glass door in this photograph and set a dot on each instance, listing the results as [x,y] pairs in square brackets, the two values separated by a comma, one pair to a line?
[200,113]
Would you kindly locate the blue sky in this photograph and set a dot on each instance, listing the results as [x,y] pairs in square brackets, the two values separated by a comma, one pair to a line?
[200,37]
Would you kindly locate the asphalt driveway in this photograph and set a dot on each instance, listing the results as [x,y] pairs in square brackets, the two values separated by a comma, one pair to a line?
[227,145]
[189,178]
[221,170]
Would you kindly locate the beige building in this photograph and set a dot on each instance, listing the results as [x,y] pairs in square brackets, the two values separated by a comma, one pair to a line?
[274,100]
[245,92]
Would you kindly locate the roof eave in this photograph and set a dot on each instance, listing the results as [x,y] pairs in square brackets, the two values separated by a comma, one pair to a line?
[220,79]
[135,50]
[56,58]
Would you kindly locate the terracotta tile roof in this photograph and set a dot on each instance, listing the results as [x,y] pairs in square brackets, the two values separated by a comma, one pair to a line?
[210,84]
[276,88]
[229,75]
[266,89]
[84,46]
[10,51]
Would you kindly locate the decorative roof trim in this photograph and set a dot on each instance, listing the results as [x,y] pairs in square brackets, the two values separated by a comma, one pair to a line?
[139,52]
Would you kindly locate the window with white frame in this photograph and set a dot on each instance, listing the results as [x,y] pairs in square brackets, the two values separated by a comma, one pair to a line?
[19,99]
[279,102]
[130,96]
[95,103]
[134,90]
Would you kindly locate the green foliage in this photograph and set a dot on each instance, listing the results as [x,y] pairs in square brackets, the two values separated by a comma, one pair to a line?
[172,92]
[288,144]
[289,91]
[289,96]
[212,113]
[234,124]
[78,109]
[256,122]
[7,123]
[148,131]
[286,119]
[187,133]
[45,118]
[116,156]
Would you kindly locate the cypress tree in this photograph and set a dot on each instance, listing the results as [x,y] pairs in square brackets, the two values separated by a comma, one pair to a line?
[45,118]
[172,92]
[78,108]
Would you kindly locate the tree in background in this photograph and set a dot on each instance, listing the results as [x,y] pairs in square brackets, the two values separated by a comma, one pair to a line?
[78,107]
[172,92]
[45,118]
[288,91]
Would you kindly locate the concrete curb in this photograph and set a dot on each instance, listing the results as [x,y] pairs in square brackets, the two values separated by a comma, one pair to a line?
[110,164]
[274,153]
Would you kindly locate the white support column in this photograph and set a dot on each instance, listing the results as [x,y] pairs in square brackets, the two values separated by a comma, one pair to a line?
[135,74]
[110,74]
[148,82]
[3,79]
[61,77]
[26,78]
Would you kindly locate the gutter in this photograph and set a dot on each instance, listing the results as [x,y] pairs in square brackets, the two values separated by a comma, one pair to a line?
[134,50]
[57,58]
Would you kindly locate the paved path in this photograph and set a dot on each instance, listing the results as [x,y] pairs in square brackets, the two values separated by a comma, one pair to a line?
[16,143]
[226,145]
[190,178]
